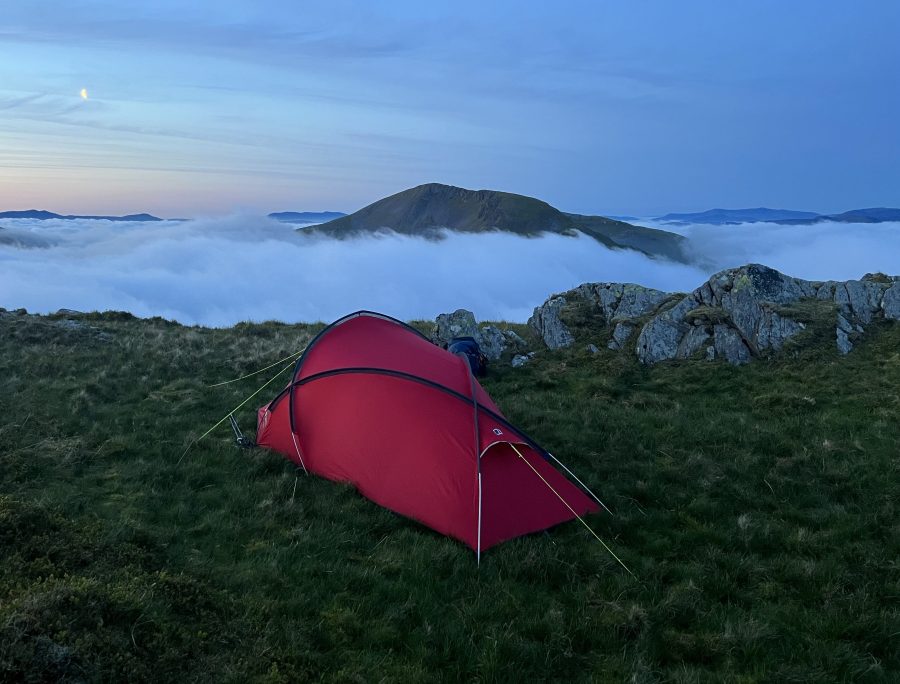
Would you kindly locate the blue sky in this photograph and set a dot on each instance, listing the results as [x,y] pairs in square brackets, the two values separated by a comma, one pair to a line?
[596,107]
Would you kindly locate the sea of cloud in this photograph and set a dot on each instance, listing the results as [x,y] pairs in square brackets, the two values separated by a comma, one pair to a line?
[218,271]
[821,251]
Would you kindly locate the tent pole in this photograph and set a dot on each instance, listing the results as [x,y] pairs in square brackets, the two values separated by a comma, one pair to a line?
[299,455]
[478,549]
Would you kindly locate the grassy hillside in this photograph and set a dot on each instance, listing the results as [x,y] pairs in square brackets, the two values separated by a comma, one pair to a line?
[426,209]
[650,241]
[432,206]
[758,507]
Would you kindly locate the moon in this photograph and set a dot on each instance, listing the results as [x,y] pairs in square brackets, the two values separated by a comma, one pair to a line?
[83,94]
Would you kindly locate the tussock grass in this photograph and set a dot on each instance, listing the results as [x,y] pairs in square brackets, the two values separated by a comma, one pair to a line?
[758,507]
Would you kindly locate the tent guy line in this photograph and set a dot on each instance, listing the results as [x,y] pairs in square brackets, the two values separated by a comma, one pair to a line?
[580,519]
[231,412]
[292,357]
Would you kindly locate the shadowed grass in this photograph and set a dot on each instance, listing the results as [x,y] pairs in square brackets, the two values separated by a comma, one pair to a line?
[758,507]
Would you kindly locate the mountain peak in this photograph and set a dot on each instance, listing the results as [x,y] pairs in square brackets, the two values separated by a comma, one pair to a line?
[434,206]
[428,209]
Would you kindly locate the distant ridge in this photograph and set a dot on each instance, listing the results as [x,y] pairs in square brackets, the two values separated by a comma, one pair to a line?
[734,216]
[787,217]
[306,216]
[42,215]
[872,215]
[428,209]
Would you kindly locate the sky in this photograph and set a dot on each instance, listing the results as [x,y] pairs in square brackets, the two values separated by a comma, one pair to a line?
[641,108]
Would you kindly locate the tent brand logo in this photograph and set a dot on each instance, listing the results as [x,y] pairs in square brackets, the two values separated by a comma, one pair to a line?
[498,431]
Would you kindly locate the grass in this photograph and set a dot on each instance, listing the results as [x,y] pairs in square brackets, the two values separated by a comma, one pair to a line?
[759,507]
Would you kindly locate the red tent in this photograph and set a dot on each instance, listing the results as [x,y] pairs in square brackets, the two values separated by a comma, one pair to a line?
[373,402]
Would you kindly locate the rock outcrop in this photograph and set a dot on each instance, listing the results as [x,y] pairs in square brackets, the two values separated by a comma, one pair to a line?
[617,303]
[461,323]
[736,315]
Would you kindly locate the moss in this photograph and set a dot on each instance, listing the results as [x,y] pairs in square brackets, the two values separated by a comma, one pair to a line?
[879,277]
[710,315]
[742,281]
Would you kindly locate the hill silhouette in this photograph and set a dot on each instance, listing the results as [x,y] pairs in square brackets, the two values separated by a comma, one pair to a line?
[427,210]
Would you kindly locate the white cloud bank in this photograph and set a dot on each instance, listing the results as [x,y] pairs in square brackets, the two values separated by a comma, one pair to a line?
[221,271]
[821,251]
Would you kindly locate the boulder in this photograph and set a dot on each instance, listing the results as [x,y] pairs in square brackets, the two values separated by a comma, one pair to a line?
[492,341]
[736,315]
[610,303]
[620,335]
[729,345]
[461,323]
[890,303]
[743,311]
[520,360]
[660,337]
[546,322]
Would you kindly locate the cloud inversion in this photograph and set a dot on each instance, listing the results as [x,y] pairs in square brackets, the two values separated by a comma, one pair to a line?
[220,271]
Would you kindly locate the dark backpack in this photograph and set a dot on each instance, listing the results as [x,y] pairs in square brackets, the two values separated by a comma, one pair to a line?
[468,347]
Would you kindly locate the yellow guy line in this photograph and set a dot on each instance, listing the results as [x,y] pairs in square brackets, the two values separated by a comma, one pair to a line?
[250,375]
[231,412]
[580,519]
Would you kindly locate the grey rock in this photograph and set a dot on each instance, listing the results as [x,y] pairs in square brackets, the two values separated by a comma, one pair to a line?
[68,312]
[843,341]
[890,302]
[611,303]
[863,298]
[748,294]
[843,331]
[492,341]
[592,348]
[737,308]
[737,314]
[620,335]
[620,301]
[637,301]
[659,339]
[514,339]
[691,343]
[520,360]
[730,346]
[773,330]
[546,322]
[460,323]
[825,291]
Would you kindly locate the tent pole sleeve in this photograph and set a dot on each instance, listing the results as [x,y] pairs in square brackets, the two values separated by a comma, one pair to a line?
[477,449]
[478,547]
[299,455]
